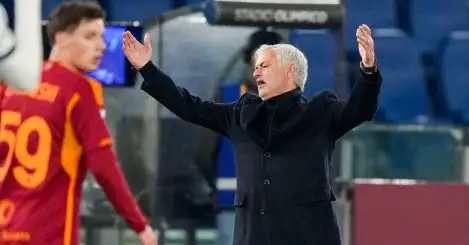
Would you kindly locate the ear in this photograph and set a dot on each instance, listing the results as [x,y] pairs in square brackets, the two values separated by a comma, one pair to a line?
[61,39]
[291,71]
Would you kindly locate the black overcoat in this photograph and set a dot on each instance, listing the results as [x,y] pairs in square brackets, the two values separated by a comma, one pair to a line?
[283,149]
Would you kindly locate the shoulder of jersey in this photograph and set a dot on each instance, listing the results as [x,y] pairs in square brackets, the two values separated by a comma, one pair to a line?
[76,81]
[97,90]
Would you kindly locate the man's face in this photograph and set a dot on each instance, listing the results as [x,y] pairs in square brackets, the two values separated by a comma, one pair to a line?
[272,78]
[85,44]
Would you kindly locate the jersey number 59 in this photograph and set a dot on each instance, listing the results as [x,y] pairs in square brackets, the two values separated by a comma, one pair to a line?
[33,165]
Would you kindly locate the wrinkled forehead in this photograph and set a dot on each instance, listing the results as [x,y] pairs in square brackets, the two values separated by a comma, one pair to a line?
[264,57]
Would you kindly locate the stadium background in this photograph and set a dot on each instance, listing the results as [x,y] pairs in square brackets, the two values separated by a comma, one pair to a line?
[400,179]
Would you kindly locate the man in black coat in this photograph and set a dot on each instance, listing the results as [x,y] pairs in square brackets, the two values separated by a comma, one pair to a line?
[283,143]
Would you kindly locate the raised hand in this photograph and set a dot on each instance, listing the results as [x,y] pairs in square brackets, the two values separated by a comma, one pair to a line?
[137,53]
[366,45]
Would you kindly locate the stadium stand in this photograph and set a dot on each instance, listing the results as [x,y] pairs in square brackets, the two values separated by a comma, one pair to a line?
[405,84]
[320,49]
[376,14]
[136,10]
[426,22]
[432,20]
[455,76]
[424,77]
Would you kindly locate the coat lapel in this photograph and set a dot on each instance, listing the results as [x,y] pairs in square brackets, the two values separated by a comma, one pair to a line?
[248,113]
[267,121]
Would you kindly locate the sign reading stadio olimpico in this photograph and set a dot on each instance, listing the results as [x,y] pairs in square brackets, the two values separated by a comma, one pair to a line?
[304,14]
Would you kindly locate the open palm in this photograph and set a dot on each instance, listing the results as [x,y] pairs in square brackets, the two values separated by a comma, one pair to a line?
[137,53]
[366,46]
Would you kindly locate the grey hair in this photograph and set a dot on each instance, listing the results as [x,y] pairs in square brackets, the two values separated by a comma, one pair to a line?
[288,54]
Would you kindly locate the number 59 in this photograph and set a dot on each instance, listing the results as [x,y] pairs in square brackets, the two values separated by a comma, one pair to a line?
[33,167]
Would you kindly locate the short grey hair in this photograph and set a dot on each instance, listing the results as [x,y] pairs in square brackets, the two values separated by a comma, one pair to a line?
[288,54]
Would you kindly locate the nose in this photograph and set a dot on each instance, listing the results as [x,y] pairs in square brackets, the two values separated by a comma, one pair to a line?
[102,45]
[256,74]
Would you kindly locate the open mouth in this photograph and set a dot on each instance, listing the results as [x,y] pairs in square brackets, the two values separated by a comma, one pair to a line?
[97,59]
[260,83]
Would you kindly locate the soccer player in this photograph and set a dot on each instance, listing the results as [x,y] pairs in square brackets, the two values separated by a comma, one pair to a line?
[51,137]
[21,51]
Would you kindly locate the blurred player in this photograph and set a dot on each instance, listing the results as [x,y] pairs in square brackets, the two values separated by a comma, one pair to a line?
[21,52]
[51,137]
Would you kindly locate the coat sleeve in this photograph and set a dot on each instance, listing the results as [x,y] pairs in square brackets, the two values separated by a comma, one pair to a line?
[360,107]
[214,116]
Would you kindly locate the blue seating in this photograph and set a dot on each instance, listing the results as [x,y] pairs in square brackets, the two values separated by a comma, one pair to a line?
[226,168]
[455,75]
[47,7]
[432,20]
[320,49]
[136,10]
[190,2]
[375,13]
[404,97]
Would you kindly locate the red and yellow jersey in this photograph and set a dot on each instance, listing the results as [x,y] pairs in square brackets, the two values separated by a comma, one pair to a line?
[48,140]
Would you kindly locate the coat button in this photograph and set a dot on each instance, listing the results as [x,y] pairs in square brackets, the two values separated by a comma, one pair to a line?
[262,211]
[267,154]
[266,182]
